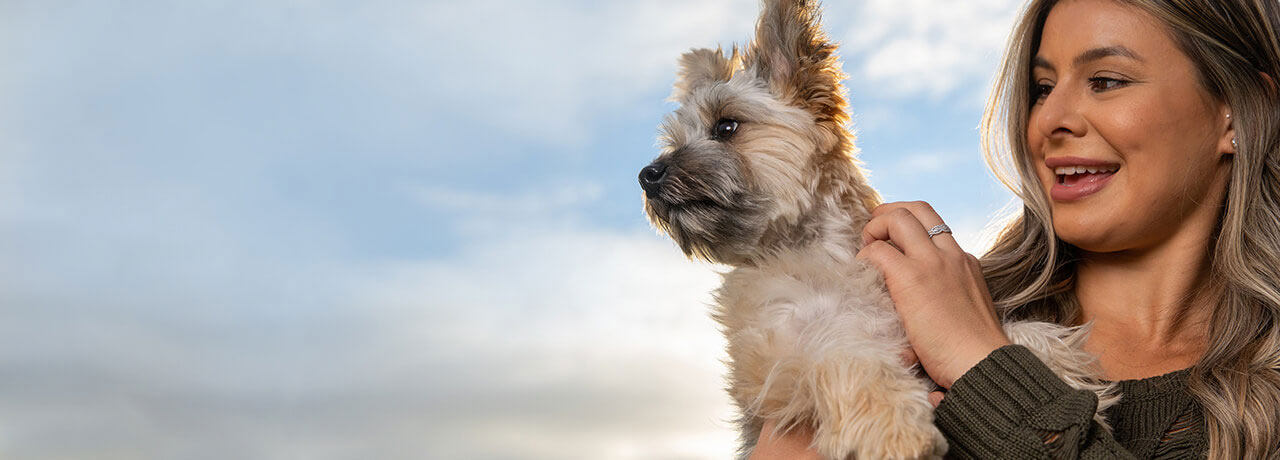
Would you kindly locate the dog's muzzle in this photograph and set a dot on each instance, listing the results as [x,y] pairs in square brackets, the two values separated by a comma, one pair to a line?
[652,177]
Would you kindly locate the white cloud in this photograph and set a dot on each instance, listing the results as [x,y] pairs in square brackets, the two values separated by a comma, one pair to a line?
[930,162]
[553,197]
[531,341]
[515,72]
[590,339]
[545,70]
[927,47]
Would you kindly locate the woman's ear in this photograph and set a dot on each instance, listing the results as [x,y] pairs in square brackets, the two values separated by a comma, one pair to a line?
[1227,144]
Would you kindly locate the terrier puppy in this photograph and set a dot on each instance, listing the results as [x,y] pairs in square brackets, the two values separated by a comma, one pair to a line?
[758,171]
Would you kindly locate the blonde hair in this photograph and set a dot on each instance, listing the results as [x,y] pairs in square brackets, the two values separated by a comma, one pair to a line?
[1031,272]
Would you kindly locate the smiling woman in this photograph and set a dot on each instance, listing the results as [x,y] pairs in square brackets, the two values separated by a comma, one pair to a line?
[1130,101]
[1143,139]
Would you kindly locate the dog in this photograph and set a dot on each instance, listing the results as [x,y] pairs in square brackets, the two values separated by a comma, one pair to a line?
[758,171]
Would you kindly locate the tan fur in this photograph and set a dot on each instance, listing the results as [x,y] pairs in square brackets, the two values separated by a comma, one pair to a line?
[702,66]
[813,337]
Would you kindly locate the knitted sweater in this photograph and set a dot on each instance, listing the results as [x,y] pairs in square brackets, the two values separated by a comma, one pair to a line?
[1012,406]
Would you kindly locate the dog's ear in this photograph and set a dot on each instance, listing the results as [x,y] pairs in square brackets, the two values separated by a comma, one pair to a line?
[702,67]
[793,56]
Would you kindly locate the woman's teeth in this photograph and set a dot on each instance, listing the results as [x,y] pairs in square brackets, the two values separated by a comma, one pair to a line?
[1069,170]
[1072,175]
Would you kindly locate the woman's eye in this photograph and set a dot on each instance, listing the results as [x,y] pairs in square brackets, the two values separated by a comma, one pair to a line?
[1100,84]
[1039,92]
[725,128]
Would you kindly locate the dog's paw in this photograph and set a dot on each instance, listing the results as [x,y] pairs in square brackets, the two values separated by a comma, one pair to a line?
[896,439]
[917,442]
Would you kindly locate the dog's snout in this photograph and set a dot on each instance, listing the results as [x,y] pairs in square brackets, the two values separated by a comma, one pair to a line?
[651,178]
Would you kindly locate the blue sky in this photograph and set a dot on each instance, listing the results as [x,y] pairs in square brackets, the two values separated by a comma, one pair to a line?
[395,229]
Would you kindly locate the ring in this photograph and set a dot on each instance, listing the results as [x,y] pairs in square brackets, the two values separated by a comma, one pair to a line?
[940,228]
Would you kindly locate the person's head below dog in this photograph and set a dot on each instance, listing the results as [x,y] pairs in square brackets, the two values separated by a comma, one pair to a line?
[759,156]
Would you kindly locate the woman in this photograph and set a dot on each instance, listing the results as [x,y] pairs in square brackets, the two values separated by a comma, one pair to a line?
[1143,139]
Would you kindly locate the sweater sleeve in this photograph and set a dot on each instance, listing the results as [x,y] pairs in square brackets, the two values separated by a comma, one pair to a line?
[1010,405]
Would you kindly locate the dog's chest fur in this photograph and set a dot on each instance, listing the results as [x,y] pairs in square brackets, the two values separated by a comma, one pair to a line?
[797,293]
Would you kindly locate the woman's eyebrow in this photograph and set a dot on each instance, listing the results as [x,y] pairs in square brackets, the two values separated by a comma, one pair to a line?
[1039,62]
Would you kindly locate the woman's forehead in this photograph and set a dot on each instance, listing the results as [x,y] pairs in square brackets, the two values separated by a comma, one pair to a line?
[1078,32]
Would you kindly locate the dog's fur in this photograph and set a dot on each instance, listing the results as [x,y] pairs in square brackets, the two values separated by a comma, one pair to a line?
[813,338]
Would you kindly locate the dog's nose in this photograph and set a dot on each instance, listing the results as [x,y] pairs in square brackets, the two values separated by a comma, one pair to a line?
[651,178]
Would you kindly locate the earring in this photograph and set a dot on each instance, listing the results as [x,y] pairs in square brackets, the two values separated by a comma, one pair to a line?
[1234,146]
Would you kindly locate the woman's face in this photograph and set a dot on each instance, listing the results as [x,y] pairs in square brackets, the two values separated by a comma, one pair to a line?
[1113,93]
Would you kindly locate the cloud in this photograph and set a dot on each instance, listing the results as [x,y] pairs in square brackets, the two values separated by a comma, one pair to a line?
[930,162]
[927,47]
[552,67]
[527,340]
[589,339]
[427,82]
[546,199]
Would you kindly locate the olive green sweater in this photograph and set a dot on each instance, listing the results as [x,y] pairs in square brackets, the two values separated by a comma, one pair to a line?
[1012,406]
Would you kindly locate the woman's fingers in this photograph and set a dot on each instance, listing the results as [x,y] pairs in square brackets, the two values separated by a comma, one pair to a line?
[792,445]
[935,398]
[909,357]
[925,215]
[883,255]
[900,227]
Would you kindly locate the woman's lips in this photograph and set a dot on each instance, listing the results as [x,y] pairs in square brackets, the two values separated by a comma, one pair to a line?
[1074,188]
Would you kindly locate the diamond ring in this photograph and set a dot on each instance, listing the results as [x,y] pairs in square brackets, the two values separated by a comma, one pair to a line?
[940,228]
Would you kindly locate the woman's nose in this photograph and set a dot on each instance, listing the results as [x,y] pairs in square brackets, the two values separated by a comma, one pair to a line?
[1059,114]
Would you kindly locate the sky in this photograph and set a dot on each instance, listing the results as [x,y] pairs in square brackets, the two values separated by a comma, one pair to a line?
[317,229]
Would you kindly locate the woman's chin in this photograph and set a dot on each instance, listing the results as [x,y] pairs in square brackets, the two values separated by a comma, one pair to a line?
[1087,239]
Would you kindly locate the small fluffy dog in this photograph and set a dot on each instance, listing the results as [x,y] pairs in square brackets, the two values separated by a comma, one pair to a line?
[758,172]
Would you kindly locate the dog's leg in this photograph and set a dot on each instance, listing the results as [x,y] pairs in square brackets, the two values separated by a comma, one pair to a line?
[860,406]
[829,360]
[871,407]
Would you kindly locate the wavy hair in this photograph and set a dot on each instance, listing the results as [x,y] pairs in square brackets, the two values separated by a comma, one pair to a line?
[1031,273]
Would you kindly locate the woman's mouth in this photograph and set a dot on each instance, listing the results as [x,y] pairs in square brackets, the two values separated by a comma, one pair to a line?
[1075,182]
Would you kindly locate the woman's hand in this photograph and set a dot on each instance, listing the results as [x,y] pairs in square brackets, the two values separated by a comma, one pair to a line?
[792,445]
[937,289]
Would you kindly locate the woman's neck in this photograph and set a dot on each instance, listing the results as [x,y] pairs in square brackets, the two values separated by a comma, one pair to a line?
[1150,308]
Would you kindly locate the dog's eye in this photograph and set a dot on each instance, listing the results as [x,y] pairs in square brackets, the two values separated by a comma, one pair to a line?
[724,128]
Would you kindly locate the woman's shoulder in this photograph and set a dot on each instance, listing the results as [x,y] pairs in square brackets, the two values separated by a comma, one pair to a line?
[1157,386]
[1157,418]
